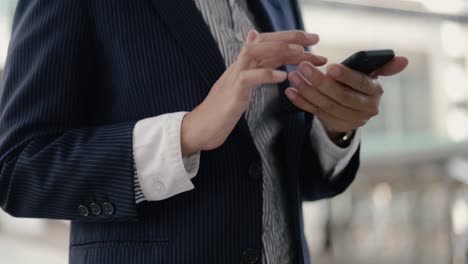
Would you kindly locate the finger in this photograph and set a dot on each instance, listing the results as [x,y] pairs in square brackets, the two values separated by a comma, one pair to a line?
[354,79]
[276,62]
[330,122]
[338,92]
[397,65]
[250,78]
[276,52]
[293,36]
[251,36]
[325,103]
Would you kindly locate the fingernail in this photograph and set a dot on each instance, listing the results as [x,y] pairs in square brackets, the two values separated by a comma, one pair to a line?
[279,75]
[334,72]
[295,79]
[306,71]
[290,95]
[296,48]
[311,36]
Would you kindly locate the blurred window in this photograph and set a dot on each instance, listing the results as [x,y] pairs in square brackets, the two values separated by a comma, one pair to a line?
[404,206]
[424,108]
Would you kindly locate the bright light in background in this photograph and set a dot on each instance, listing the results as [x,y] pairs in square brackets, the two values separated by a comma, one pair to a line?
[444,6]
[457,125]
[455,83]
[459,216]
[382,195]
[453,39]
[433,6]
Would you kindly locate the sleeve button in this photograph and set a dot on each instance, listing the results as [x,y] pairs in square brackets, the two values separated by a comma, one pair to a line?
[158,186]
[83,210]
[108,208]
[95,209]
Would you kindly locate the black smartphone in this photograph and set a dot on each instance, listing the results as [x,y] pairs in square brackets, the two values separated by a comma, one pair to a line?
[368,61]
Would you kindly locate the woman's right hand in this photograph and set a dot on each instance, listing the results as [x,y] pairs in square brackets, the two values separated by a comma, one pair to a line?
[210,123]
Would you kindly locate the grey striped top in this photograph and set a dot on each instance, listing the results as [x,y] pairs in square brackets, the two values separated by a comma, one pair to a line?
[229,22]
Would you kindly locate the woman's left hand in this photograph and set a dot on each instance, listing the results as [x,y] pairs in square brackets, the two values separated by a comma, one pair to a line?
[342,99]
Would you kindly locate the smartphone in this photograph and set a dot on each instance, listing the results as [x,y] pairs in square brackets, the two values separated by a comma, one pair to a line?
[368,61]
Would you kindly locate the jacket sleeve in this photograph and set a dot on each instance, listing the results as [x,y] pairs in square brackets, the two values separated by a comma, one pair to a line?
[54,162]
[315,184]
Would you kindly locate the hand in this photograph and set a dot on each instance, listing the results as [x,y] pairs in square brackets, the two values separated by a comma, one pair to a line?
[209,124]
[342,99]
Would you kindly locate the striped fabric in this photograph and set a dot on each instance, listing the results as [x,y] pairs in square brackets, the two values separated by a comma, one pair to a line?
[79,74]
[229,22]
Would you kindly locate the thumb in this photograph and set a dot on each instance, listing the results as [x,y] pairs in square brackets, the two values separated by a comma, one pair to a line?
[397,65]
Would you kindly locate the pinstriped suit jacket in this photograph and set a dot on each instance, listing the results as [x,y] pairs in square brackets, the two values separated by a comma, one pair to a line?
[80,74]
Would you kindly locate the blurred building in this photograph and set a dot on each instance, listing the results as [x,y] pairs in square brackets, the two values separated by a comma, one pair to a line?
[408,204]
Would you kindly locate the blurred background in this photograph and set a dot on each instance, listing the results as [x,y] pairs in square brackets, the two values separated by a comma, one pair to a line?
[409,202]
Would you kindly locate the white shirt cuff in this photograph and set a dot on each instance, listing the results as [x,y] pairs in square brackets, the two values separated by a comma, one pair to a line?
[161,171]
[332,157]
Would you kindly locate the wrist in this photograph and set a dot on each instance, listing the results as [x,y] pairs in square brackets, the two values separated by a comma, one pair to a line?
[188,137]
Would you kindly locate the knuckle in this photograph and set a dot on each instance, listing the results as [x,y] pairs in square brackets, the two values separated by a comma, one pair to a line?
[260,63]
[246,52]
[363,82]
[297,36]
[380,90]
[377,85]
[300,87]
[243,79]
[375,111]
[283,48]
[249,51]
[268,75]
[260,37]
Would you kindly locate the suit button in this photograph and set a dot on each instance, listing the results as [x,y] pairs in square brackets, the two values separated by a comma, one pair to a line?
[95,209]
[108,208]
[250,256]
[255,170]
[83,210]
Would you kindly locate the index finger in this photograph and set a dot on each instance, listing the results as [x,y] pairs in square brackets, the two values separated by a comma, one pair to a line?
[291,36]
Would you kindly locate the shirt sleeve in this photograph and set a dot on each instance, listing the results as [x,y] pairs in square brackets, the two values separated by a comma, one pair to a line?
[161,171]
[333,158]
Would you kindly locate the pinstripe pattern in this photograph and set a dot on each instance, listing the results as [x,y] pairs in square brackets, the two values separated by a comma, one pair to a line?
[79,75]
[229,22]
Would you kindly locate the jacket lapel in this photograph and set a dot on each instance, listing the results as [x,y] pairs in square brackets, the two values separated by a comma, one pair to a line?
[193,35]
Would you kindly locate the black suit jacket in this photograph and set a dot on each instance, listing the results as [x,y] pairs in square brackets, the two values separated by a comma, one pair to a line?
[80,74]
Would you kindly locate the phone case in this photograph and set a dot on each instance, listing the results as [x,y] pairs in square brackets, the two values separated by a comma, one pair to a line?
[369,61]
